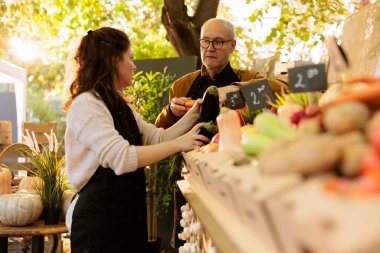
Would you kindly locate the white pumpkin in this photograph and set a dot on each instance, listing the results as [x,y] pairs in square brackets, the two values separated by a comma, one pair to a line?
[31,183]
[66,200]
[20,209]
[5,181]
[25,191]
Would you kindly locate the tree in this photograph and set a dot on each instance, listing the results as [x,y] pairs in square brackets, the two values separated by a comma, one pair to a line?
[183,31]
[300,21]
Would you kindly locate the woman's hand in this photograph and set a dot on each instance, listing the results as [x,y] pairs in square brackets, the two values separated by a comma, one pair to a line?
[191,140]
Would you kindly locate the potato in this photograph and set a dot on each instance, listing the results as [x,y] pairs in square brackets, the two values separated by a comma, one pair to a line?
[313,155]
[342,118]
[312,125]
[350,139]
[306,156]
[352,157]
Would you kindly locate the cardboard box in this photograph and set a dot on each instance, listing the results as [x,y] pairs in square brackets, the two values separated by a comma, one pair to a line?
[360,41]
[313,220]
[6,132]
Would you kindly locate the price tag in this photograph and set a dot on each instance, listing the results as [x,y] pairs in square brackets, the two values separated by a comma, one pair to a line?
[257,94]
[235,100]
[307,78]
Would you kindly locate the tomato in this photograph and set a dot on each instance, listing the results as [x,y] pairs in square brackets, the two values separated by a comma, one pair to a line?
[209,148]
[370,162]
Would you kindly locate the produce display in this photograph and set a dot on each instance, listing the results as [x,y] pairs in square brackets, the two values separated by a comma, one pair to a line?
[330,140]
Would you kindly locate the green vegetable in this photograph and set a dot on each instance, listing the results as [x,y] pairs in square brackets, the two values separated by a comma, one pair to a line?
[267,123]
[209,130]
[254,143]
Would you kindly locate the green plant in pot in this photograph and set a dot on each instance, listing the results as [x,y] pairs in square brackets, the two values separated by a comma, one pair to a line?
[48,165]
[148,96]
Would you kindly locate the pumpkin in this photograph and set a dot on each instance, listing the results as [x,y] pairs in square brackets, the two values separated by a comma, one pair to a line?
[31,183]
[25,191]
[20,209]
[5,181]
[66,201]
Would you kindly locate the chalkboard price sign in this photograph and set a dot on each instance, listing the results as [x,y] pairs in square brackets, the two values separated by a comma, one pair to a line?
[257,94]
[235,100]
[307,78]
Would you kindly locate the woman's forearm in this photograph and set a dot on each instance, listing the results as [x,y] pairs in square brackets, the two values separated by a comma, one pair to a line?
[181,127]
[147,155]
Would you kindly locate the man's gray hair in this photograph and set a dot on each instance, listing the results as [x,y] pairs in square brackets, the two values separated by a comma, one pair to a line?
[230,27]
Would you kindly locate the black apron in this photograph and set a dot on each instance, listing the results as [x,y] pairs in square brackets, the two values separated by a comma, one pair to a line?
[110,214]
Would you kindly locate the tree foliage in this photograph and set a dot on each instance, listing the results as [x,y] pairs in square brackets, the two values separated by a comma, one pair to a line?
[300,21]
[158,29]
[53,27]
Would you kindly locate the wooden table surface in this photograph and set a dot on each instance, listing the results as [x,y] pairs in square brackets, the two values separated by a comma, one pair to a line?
[36,228]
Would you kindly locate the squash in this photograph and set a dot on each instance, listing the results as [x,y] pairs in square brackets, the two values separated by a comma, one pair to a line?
[25,191]
[5,181]
[31,183]
[20,209]
[66,201]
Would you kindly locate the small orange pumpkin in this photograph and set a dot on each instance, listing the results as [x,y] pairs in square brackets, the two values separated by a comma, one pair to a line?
[31,183]
[5,181]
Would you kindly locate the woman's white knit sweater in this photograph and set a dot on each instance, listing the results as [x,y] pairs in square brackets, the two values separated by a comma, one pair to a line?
[92,140]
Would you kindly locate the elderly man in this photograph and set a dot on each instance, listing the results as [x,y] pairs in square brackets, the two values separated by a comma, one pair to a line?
[217,43]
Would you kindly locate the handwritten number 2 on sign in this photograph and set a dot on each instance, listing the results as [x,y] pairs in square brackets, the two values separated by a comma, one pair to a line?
[255,101]
[299,83]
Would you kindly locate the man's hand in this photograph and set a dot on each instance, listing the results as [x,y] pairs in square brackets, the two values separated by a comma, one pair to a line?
[223,91]
[177,106]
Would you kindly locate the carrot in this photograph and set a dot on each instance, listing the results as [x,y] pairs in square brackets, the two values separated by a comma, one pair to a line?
[189,103]
[370,96]
[365,79]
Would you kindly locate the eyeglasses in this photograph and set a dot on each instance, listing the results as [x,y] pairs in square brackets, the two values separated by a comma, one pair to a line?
[217,44]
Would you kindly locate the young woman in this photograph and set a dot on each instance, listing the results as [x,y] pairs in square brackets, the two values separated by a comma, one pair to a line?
[108,144]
